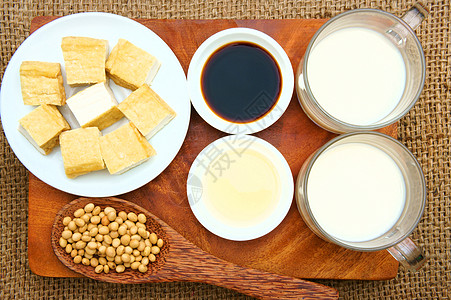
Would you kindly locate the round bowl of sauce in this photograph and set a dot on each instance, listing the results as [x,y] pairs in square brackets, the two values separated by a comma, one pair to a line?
[240,187]
[240,81]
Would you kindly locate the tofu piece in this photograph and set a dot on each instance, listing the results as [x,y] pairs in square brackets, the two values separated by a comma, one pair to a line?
[95,106]
[42,83]
[130,66]
[80,149]
[125,148]
[42,127]
[84,59]
[146,110]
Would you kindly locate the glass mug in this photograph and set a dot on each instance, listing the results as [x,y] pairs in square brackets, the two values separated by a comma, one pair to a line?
[398,95]
[364,165]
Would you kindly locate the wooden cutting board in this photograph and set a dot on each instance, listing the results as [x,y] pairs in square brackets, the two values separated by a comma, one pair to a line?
[291,249]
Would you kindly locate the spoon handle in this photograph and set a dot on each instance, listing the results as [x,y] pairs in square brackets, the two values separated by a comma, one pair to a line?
[187,262]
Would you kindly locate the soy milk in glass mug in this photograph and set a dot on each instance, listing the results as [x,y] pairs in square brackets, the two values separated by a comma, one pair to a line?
[364,191]
[364,69]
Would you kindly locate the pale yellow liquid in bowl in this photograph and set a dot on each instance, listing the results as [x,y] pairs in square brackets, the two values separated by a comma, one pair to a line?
[246,193]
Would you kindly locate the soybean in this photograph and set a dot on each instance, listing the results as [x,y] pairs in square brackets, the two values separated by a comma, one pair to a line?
[79,212]
[99,269]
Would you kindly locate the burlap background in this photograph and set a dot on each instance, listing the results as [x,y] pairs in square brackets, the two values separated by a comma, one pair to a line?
[425,131]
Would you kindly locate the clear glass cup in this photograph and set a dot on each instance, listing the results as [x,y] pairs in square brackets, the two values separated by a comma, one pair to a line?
[395,240]
[400,32]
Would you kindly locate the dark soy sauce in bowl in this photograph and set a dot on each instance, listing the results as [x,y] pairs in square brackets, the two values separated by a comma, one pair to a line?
[241,82]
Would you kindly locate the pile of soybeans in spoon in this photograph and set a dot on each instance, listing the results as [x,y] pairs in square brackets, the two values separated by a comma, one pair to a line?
[108,240]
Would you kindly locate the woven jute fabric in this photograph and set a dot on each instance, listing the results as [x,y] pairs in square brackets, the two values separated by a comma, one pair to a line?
[425,131]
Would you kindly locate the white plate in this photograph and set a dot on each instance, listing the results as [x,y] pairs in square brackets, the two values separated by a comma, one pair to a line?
[216,41]
[206,164]
[170,84]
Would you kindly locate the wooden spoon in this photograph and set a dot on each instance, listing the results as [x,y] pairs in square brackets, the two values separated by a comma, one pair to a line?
[180,260]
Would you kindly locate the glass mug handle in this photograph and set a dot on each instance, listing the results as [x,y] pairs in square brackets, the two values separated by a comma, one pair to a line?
[408,254]
[413,17]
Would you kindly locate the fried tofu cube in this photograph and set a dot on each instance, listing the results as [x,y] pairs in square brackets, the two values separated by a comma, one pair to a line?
[146,110]
[84,59]
[125,148]
[42,83]
[95,106]
[130,66]
[80,149]
[42,127]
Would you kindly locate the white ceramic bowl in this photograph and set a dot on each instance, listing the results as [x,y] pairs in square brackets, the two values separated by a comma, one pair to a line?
[212,218]
[220,39]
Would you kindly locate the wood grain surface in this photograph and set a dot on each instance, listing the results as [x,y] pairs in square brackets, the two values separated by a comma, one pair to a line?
[180,260]
[291,249]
